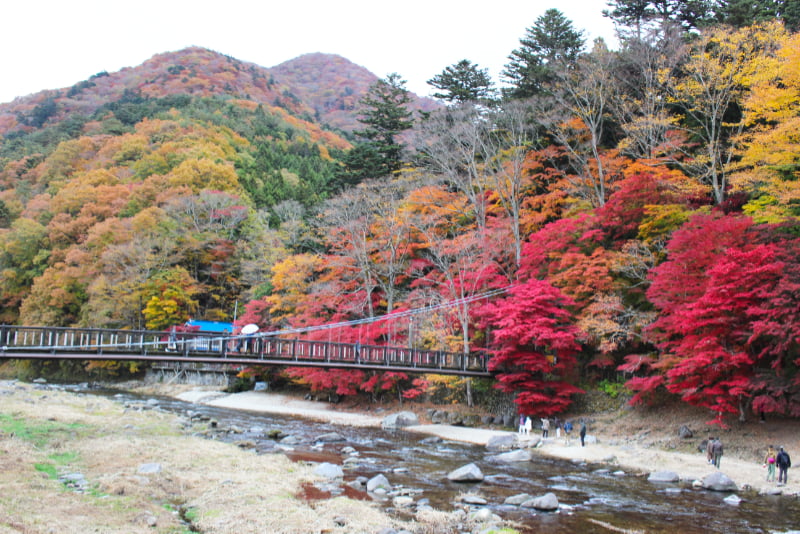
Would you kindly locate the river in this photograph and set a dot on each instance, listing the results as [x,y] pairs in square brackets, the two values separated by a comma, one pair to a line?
[590,496]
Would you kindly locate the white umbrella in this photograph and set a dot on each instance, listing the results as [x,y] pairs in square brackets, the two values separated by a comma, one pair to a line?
[250,329]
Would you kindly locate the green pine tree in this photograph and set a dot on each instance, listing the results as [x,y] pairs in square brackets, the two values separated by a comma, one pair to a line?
[551,41]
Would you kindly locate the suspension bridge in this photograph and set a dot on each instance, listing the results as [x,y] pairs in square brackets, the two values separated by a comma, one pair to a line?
[262,349]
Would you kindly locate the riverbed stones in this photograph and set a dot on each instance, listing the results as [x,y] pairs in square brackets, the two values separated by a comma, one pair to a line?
[329,471]
[470,420]
[74,481]
[399,420]
[466,473]
[471,498]
[330,437]
[502,442]
[439,417]
[718,482]
[402,501]
[378,482]
[454,418]
[547,502]
[663,476]
[509,457]
[517,500]
[149,469]
[733,500]
[484,515]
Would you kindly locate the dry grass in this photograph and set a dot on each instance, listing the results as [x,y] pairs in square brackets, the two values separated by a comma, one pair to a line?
[221,488]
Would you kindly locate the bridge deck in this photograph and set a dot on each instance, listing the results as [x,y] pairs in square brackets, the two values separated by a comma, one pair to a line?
[51,343]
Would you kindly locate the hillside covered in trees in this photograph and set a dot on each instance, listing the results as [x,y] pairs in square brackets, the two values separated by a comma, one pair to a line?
[627,215]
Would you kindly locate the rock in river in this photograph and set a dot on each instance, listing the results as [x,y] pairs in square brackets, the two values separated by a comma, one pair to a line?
[663,476]
[399,420]
[719,482]
[466,473]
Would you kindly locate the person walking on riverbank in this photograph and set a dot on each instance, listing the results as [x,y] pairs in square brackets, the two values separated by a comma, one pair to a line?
[784,463]
[709,447]
[769,463]
[583,433]
[716,451]
[567,430]
[521,424]
[545,427]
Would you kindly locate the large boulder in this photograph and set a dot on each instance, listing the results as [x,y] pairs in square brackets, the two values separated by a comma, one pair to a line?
[379,482]
[547,502]
[399,420]
[684,432]
[466,473]
[502,442]
[718,482]
[518,455]
[329,471]
[663,476]
[439,417]
[471,420]
[454,418]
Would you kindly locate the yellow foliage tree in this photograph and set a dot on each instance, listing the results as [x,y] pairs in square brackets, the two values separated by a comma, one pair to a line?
[715,81]
[290,280]
[770,163]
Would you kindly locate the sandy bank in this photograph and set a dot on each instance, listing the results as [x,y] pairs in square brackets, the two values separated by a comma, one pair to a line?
[632,458]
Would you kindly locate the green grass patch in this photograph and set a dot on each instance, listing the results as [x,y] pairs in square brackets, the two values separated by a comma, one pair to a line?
[59,459]
[38,432]
[49,469]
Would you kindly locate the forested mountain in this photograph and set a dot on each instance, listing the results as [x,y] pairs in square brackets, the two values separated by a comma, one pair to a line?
[629,217]
[321,88]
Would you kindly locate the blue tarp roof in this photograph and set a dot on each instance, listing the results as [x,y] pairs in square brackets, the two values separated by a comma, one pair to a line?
[211,326]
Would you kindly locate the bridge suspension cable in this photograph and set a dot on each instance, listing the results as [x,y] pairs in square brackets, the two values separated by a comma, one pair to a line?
[329,326]
[392,316]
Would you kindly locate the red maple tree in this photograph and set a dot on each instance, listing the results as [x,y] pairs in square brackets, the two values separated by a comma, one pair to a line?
[534,343]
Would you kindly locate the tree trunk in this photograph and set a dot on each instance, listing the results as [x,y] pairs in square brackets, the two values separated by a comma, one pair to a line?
[743,407]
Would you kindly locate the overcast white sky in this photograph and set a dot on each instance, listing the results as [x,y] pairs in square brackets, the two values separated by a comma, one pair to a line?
[51,44]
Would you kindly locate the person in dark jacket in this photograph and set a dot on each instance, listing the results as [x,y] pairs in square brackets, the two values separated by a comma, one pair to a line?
[583,434]
[783,462]
[716,451]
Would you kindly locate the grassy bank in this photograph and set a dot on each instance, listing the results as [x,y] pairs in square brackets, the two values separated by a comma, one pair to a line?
[201,486]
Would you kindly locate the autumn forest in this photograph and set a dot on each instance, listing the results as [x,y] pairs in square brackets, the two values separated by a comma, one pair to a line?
[628,217]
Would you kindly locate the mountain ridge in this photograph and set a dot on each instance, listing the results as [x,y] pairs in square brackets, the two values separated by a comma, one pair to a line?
[319,87]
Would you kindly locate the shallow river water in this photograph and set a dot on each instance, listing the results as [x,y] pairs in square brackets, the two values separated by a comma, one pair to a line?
[593,494]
